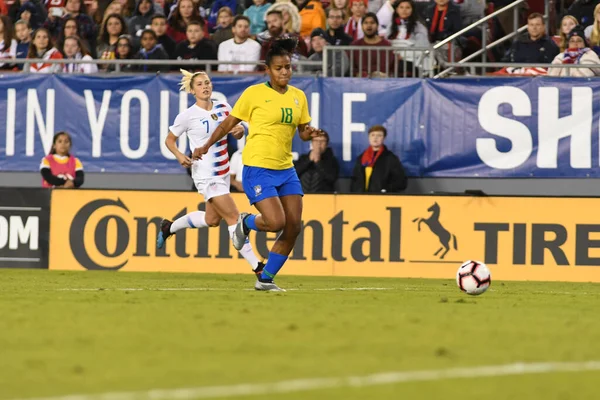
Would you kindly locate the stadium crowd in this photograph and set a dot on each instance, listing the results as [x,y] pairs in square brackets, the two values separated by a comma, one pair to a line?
[243,30]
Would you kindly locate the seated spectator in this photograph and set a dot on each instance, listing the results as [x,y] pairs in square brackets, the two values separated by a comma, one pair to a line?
[159,26]
[32,11]
[365,62]
[151,50]
[74,49]
[576,53]
[377,169]
[87,29]
[113,27]
[592,32]
[289,13]
[223,30]
[8,45]
[42,46]
[71,28]
[401,24]
[114,7]
[124,52]
[236,167]
[240,48]
[184,13]
[443,19]
[196,47]
[217,6]
[23,34]
[583,11]
[275,30]
[256,13]
[534,46]
[142,17]
[566,25]
[358,9]
[339,64]
[343,6]
[312,16]
[335,34]
[60,169]
[319,169]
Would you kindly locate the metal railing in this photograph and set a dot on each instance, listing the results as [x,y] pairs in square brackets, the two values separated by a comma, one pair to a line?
[521,66]
[484,46]
[377,61]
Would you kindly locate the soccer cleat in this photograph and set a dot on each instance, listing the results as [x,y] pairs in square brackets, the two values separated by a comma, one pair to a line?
[267,286]
[259,269]
[164,233]
[241,234]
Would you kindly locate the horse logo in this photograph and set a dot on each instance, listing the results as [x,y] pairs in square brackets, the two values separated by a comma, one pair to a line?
[433,222]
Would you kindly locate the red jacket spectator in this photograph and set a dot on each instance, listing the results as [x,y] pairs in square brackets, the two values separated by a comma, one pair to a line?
[442,20]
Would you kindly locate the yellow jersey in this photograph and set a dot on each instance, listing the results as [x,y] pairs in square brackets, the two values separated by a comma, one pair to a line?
[273,119]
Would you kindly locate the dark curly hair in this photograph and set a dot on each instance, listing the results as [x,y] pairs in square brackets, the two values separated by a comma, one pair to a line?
[281,47]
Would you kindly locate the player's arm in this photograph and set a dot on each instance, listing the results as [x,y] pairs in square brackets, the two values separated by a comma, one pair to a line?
[219,133]
[171,143]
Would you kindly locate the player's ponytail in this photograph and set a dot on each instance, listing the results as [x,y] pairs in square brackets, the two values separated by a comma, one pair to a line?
[188,79]
[281,47]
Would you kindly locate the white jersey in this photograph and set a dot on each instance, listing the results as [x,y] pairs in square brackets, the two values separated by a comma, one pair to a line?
[199,124]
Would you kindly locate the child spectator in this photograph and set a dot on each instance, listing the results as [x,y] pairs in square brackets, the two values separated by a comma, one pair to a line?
[257,13]
[184,13]
[42,46]
[23,33]
[358,9]
[567,23]
[151,50]
[312,16]
[124,52]
[8,45]
[335,34]
[377,169]
[113,27]
[577,52]
[368,61]
[74,49]
[240,48]
[159,26]
[196,47]
[319,169]
[60,169]
[142,17]
[216,8]
[223,30]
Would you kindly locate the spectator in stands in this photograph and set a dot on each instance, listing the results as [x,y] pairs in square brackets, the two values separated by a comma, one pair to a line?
[94,11]
[471,11]
[42,46]
[159,26]
[236,167]
[371,60]
[583,11]
[335,34]
[318,170]
[353,28]
[215,10]
[275,30]
[257,13]
[87,29]
[592,32]
[8,45]
[184,13]
[443,20]
[114,7]
[240,48]
[567,23]
[141,18]
[196,47]
[339,64]
[23,34]
[289,13]
[32,11]
[74,49]
[377,169]
[533,47]
[312,16]
[60,169]
[71,28]
[151,50]
[223,30]
[113,27]
[343,6]
[399,23]
[578,52]
[124,52]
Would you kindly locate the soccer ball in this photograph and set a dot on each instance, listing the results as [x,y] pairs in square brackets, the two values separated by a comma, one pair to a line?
[473,277]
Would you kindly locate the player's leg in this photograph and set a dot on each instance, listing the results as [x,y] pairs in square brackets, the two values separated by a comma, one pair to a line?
[226,208]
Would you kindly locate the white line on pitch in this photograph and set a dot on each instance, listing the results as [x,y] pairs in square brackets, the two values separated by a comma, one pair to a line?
[209,289]
[302,385]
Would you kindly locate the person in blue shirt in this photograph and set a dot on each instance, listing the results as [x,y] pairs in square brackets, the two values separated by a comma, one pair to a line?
[23,34]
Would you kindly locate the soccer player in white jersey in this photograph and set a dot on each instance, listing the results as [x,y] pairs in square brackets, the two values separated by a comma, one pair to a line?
[211,174]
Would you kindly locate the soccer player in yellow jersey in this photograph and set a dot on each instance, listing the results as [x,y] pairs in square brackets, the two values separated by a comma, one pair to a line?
[274,110]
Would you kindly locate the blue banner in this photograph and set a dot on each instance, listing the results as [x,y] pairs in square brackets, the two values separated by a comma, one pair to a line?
[506,127]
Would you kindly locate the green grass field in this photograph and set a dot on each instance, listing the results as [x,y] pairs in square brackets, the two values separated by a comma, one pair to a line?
[113,337]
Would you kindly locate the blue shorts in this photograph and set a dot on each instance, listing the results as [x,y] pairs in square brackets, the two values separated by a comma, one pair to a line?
[262,183]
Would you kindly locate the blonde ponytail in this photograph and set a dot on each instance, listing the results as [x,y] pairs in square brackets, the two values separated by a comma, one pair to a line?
[187,79]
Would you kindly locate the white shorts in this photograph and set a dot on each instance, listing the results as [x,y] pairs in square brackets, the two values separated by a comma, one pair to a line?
[213,187]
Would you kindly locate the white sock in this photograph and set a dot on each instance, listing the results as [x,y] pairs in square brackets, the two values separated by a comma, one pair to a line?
[192,220]
[247,252]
